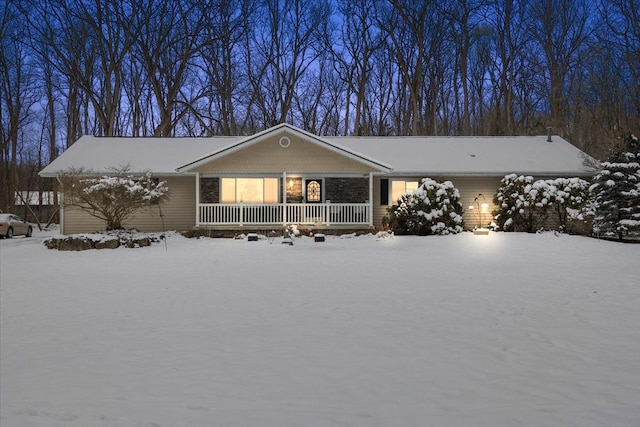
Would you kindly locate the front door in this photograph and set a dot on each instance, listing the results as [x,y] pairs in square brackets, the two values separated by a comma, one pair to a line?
[313,189]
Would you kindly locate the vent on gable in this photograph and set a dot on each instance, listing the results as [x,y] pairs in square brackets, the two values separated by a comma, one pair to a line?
[284,142]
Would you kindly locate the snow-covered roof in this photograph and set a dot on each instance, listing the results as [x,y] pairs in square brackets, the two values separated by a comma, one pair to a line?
[161,156]
[436,156]
[497,155]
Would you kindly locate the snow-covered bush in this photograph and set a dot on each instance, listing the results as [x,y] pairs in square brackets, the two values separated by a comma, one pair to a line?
[615,191]
[291,231]
[433,208]
[569,197]
[523,203]
[112,198]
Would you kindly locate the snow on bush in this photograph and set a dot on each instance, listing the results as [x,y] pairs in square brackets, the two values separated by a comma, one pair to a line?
[570,196]
[433,208]
[292,230]
[615,192]
[525,204]
[112,198]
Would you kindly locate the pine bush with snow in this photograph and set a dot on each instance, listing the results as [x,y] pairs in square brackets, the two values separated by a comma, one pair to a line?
[433,208]
[615,192]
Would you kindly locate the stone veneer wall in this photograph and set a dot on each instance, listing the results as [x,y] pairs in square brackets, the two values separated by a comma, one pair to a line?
[346,190]
[209,190]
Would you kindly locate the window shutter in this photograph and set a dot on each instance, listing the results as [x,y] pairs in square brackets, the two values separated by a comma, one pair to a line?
[384,191]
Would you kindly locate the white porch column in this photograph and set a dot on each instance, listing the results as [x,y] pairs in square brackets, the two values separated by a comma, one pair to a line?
[197,198]
[370,199]
[284,199]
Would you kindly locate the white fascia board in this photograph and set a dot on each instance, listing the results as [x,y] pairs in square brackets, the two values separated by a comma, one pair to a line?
[261,136]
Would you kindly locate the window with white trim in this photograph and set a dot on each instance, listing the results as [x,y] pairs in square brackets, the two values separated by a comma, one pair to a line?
[399,187]
[249,190]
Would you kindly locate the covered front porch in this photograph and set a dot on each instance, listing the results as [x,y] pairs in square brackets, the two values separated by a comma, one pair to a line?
[270,201]
[282,214]
[284,176]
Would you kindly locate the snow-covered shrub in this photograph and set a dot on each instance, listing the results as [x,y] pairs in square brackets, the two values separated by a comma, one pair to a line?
[570,201]
[112,198]
[291,231]
[433,208]
[523,203]
[615,192]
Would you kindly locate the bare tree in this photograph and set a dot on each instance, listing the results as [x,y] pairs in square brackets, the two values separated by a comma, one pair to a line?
[415,30]
[369,67]
[561,30]
[353,53]
[18,95]
[286,42]
[169,42]
[510,71]
[622,38]
[227,25]
[382,93]
[464,23]
[90,43]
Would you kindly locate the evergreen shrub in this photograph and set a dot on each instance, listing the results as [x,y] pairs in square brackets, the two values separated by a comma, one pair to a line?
[615,192]
[433,208]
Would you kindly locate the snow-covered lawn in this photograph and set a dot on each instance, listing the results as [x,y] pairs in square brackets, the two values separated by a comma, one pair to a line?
[498,330]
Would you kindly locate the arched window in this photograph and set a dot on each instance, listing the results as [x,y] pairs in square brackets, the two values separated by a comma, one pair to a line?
[314,194]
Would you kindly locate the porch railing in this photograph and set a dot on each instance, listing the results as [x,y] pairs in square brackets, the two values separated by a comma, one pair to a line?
[242,214]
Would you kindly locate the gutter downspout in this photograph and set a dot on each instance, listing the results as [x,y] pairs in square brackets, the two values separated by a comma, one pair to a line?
[62,224]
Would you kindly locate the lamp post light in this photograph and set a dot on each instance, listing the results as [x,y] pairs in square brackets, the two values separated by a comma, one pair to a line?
[482,208]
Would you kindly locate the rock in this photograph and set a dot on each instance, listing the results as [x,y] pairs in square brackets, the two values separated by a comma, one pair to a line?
[74,244]
[143,242]
[109,240]
[51,243]
[107,244]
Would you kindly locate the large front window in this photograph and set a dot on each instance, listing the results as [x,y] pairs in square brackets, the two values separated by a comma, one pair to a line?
[398,188]
[249,190]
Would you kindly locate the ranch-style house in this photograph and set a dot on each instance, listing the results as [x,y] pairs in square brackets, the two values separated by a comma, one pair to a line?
[285,175]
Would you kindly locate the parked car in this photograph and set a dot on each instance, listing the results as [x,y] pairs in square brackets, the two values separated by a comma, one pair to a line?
[12,225]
